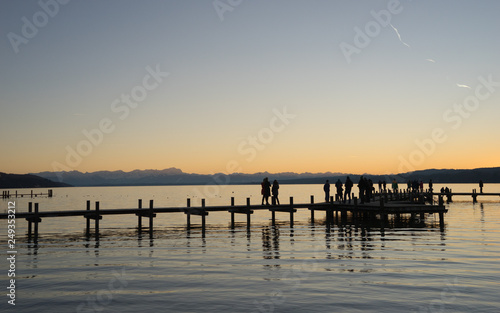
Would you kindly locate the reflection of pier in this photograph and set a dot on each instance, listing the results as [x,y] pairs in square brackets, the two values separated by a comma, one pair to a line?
[382,205]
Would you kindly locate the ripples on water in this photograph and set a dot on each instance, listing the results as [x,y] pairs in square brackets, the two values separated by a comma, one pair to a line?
[411,266]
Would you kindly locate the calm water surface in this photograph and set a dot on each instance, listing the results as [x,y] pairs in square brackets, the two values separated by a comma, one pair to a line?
[412,266]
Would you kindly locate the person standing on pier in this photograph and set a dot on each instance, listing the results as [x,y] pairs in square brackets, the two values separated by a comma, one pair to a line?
[430,185]
[266,190]
[362,189]
[481,186]
[395,185]
[326,188]
[348,186]
[340,190]
[274,189]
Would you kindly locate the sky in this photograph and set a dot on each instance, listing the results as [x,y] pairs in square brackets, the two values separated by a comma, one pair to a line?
[249,86]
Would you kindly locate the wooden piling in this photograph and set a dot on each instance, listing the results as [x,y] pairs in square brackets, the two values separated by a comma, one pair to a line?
[291,211]
[188,214]
[139,216]
[36,221]
[232,213]
[87,222]
[248,213]
[151,217]
[312,210]
[30,210]
[97,217]
[203,219]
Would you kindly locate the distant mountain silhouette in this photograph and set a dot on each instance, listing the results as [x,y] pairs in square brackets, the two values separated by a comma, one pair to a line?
[27,181]
[175,176]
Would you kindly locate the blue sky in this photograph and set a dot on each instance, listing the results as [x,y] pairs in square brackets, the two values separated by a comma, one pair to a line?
[228,71]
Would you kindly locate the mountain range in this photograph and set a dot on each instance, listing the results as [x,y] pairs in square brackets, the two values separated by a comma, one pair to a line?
[175,176]
[27,181]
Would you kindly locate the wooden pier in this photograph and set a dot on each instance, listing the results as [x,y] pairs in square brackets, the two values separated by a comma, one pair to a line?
[474,194]
[383,205]
[7,195]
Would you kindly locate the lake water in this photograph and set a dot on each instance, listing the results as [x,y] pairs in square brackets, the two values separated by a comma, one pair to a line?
[410,267]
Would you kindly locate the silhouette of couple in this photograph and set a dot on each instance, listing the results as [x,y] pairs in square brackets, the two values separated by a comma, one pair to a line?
[266,191]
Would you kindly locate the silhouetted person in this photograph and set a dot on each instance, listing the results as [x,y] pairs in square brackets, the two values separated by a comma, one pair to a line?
[379,186]
[348,187]
[266,190]
[369,189]
[430,185]
[481,186]
[340,190]
[362,189]
[326,188]
[421,185]
[274,189]
[385,185]
[394,185]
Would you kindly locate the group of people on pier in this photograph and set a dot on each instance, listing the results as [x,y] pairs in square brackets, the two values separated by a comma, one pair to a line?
[341,195]
[365,187]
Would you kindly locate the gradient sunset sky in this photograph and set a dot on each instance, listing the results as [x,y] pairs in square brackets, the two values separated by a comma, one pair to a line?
[249,86]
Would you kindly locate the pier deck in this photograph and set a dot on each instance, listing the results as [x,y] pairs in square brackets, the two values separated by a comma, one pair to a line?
[380,206]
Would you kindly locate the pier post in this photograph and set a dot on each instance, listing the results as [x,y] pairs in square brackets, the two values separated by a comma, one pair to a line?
[232,213]
[96,227]
[312,210]
[474,196]
[139,216]
[383,214]
[188,221]
[203,219]
[49,193]
[248,213]
[273,218]
[37,219]
[30,210]
[87,222]
[31,193]
[151,216]
[291,211]
[356,209]
[441,220]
